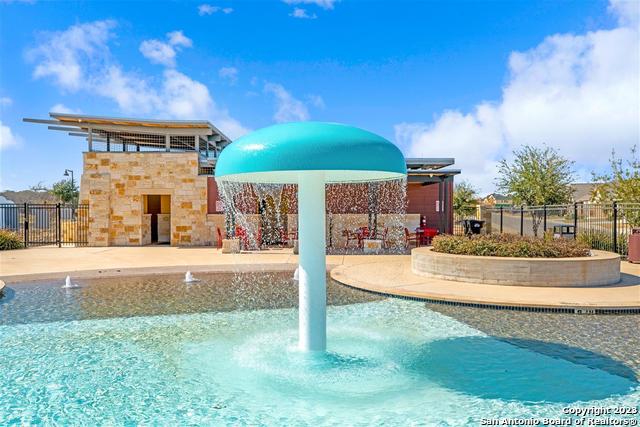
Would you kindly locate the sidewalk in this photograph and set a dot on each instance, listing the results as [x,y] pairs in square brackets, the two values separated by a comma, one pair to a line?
[54,262]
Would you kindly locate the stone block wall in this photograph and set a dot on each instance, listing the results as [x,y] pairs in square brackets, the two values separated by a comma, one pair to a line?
[114,185]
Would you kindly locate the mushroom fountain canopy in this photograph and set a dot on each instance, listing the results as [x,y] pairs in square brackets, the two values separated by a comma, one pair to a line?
[279,154]
[310,154]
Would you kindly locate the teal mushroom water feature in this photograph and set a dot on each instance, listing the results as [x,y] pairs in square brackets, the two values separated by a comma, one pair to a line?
[311,155]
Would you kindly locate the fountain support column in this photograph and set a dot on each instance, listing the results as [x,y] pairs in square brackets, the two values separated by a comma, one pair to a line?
[312,317]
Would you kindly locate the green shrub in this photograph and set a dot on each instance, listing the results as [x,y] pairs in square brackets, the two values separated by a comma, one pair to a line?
[9,240]
[603,240]
[509,245]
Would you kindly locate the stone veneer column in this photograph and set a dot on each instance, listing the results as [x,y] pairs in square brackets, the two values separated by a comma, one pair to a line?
[95,191]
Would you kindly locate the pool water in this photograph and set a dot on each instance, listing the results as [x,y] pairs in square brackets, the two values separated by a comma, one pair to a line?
[223,352]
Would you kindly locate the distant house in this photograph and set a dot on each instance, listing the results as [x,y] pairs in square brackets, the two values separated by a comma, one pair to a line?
[8,214]
[583,192]
[28,196]
[497,200]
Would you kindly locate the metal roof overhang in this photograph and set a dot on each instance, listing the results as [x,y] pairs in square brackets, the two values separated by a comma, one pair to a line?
[428,163]
[429,176]
[126,128]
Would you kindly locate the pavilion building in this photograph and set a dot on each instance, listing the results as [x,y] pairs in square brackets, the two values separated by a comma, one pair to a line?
[152,181]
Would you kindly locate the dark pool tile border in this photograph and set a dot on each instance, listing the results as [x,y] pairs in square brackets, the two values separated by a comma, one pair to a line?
[533,309]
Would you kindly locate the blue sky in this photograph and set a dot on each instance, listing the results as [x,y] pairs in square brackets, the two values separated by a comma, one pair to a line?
[468,79]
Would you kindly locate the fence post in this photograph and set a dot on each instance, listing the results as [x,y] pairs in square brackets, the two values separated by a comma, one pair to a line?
[544,226]
[615,227]
[575,220]
[25,225]
[501,213]
[522,220]
[59,228]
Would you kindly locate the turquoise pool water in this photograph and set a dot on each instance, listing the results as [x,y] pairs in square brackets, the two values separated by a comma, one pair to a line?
[390,362]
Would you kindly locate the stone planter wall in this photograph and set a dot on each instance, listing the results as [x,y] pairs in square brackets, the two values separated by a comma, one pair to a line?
[603,268]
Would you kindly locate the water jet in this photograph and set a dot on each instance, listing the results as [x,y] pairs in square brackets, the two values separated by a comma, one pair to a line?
[188,278]
[68,284]
[310,155]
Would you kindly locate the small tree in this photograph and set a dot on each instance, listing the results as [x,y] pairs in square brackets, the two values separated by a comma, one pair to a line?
[621,184]
[65,190]
[39,187]
[464,198]
[536,176]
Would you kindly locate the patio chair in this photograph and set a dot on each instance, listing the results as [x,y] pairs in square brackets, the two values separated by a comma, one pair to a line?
[361,234]
[382,235]
[219,242]
[241,234]
[350,236]
[408,236]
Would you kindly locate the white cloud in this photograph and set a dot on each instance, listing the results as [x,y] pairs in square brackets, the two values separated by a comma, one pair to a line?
[171,95]
[579,93]
[316,100]
[177,38]
[7,137]
[325,4]
[627,12]
[207,9]
[5,101]
[302,14]
[158,52]
[61,108]
[288,108]
[229,73]
[164,53]
[63,55]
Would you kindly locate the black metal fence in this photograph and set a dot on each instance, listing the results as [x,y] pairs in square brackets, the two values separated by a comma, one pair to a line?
[46,224]
[605,226]
[467,212]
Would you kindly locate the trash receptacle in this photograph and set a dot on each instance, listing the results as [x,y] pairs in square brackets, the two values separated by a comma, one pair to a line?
[472,226]
[634,246]
[563,231]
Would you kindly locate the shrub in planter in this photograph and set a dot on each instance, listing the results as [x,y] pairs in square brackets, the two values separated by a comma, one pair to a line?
[9,240]
[509,245]
[602,240]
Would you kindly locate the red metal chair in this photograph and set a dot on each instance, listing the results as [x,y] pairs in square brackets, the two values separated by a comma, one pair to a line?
[408,237]
[381,235]
[219,242]
[425,235]
[361,234]
[349,237]
[241,234]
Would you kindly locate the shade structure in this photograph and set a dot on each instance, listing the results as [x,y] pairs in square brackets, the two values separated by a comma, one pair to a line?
[311,154]
[279,153]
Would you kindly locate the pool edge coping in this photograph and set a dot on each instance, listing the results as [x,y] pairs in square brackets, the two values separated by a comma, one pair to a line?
[474,302]
[155,270]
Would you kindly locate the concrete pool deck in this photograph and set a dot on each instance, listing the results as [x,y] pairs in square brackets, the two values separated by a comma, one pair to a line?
[383,274]
[53,262]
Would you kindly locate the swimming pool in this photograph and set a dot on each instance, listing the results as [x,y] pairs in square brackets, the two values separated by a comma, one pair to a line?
[153,350]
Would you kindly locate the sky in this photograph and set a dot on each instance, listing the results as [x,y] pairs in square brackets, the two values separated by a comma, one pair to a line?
[472,80]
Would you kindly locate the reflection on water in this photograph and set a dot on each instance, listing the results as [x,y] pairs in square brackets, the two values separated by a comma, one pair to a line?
[615,336]
[159,294]
[504,371]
